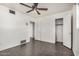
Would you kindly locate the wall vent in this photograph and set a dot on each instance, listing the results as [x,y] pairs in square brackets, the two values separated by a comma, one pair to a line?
[23,42]
[12,12]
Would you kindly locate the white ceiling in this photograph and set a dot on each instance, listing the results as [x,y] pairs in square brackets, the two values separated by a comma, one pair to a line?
[52,8]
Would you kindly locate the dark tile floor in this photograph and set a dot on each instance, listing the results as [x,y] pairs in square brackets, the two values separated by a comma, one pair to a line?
[38,48]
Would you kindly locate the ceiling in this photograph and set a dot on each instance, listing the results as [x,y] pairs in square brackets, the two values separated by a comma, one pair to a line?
[52,8]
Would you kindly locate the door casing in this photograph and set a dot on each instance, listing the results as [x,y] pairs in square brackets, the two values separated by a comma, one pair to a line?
[33,26]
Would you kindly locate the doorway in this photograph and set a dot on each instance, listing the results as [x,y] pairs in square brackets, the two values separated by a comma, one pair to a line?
[64,31]
[59,30]
[32,30]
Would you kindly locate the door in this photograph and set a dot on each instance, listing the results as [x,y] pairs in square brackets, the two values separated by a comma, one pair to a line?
[32,30]
[59,30]
[67,31]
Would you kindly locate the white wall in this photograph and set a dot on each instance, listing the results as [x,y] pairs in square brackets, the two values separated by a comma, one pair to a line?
[45,27]
[76,30]
[77,33]
[13,28]
[77,22]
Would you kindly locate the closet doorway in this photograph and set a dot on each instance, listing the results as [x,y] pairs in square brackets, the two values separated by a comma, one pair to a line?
[59,30]
[32,30]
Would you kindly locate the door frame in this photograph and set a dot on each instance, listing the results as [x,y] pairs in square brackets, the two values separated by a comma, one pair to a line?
[33,23]
[55,29]
[72,32]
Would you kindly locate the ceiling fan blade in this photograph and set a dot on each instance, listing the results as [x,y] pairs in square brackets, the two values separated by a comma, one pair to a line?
[25,5]
[42,9]
[29,11]
[38,12]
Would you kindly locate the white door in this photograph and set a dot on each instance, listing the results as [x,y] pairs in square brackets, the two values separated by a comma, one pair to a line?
[67,31]
[59,29]
[32,29]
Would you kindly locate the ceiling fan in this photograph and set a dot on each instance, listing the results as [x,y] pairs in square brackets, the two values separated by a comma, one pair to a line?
[34,7]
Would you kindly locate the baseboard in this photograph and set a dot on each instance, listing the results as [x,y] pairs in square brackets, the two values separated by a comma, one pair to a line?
[45,41]
[75,53]
[9,47]
[12,46]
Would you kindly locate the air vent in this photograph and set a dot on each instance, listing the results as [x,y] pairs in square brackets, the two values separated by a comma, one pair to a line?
[12,12]
[23,42]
